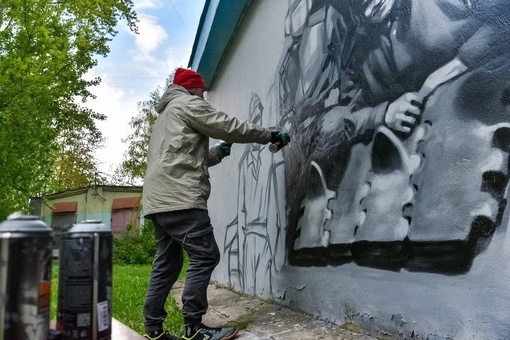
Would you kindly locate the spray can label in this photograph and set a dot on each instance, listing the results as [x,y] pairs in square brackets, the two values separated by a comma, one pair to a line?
[85,281]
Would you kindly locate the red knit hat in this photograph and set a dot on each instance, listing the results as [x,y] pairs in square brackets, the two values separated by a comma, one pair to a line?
[188,79]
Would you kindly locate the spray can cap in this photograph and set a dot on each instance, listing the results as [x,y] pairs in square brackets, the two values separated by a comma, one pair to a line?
[88,226]
[18,222]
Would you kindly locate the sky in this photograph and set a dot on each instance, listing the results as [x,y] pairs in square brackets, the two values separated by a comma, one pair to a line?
[137,64]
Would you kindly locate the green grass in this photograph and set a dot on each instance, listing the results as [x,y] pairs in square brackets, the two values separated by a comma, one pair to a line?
[129,289]
[54,290]
[351,327]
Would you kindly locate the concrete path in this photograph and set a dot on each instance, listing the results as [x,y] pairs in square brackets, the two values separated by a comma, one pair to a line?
[258,319]
[123,332]
[262,319]
[119,331]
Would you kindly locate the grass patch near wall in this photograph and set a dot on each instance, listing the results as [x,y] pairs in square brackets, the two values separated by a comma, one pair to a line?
[351,327]
[130,284]
[54,290]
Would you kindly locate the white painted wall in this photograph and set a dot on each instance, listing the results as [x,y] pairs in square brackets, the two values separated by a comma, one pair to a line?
[251,69]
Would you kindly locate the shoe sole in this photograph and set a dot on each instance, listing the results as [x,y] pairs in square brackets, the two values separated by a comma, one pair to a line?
[231,336]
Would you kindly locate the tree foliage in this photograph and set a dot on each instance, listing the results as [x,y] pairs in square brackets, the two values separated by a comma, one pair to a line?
[46,48]
[132,169]
[74,165]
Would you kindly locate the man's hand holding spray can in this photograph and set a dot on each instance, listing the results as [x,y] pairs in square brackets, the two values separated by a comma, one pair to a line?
[223,148]
[278,140]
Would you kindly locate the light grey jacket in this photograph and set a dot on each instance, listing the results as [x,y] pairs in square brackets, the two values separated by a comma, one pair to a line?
[177,177]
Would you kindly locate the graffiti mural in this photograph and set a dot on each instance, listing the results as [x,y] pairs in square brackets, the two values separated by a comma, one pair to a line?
[399,112]
[401,131]
[254,239]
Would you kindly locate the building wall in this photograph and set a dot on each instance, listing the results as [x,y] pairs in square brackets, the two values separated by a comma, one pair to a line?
[80,197]
[360,219]
[92,203]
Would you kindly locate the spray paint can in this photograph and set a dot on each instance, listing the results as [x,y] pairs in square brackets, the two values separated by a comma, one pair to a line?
[84,304]
[25,278]
[276,146]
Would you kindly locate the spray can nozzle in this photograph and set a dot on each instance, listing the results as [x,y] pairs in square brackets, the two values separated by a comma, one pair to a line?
[278,140]
[276,146]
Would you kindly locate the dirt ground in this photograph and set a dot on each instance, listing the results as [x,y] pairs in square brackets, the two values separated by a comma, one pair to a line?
[262,319]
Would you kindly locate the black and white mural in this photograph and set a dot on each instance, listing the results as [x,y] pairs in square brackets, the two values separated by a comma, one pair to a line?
[399,112]
[400,118]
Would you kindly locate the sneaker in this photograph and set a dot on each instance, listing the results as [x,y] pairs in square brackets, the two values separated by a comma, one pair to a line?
[204,332]
[160,335]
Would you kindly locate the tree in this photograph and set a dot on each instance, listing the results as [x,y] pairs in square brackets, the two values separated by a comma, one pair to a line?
[74,164]
[132,169]
[46,48]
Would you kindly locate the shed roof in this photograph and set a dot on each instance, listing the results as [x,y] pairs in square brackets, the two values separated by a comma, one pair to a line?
[78,191]
[217,29]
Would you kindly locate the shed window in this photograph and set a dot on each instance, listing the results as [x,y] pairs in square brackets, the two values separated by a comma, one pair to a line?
[62,218]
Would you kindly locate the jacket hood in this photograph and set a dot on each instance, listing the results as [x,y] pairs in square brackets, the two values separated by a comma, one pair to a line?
[173,91]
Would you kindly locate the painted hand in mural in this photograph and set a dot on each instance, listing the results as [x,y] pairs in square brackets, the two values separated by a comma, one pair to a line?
[403,114]
[377,10]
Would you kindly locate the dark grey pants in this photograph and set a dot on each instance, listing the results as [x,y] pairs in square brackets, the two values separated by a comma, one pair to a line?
[174,231]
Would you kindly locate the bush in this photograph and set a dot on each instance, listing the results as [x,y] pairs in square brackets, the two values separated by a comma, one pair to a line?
[135,247]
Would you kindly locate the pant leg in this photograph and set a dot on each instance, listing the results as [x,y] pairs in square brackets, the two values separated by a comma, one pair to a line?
[193,229]
[166,268]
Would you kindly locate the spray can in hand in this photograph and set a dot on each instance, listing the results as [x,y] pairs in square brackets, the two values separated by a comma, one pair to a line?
[276,146]
[223,148]
[278,140]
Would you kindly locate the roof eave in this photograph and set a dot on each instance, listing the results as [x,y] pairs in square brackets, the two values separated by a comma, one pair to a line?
[216,31]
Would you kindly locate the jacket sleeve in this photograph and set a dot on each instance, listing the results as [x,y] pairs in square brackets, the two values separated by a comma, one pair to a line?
[210,122]
[340,125]
[369,118]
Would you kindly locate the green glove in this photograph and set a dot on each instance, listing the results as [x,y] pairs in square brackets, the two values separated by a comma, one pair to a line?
[280,137]
[278,140]
[223,148]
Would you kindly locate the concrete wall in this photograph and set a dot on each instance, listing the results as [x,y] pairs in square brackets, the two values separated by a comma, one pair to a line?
[388,209]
